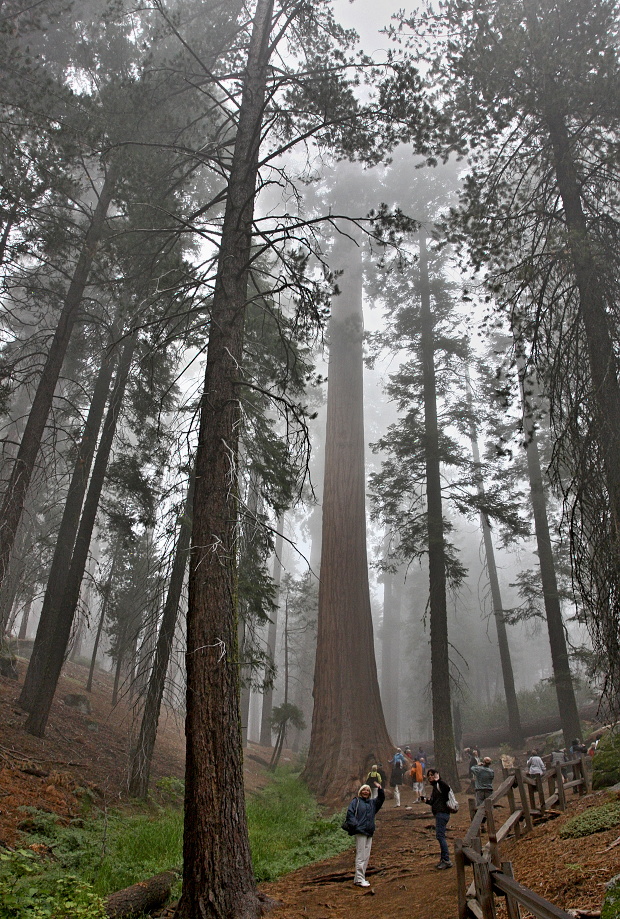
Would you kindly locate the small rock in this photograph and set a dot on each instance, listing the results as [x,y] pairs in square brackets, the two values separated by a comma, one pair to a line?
[78,701]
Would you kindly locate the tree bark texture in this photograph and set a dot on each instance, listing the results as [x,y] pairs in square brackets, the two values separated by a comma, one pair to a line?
[272,631]
[57,645]
[13,502]
[515,729]
[443,731]
[140,898]
[390,649]
[67,533]
[565,691]
[218,879]
[142,756]
[348,727]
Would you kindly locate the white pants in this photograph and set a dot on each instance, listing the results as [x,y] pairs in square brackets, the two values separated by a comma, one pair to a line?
[419,788]
[363,845]
[397,795]
[374,792]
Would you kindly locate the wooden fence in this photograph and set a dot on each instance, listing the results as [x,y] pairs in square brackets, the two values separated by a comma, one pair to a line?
[528,798]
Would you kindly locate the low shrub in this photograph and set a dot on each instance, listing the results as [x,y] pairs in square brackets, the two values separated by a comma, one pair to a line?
[606,765]
[30,891]
[593,820]
[611,903]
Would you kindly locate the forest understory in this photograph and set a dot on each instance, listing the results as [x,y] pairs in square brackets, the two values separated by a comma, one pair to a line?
[87,755]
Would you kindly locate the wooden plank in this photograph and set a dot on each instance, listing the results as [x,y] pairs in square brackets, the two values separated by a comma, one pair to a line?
[525,806]
[459,862]
[500,792]
[539,907]
[551,800]
[541,794]
[513,808]
[474,907]
[559,784]
[492,832]
[484,889]
[512,905]
[506,827]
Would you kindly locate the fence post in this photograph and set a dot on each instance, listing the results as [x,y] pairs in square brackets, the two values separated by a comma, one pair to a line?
[524,801]
[559,784]
[540,788]
[484,889]
[512,905]
[493,847]
[585,788]
[459,862]
[513,807]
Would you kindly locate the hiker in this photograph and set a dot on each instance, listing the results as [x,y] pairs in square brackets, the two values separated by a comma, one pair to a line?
[535,765]
[396,777]
[417,778]
[483,777]
[361,815]
[375,781]
[438,801]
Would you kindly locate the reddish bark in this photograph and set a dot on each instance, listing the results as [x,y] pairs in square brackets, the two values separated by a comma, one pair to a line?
[348,727]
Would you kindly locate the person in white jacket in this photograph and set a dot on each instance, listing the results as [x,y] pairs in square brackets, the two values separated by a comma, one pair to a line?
[535,765]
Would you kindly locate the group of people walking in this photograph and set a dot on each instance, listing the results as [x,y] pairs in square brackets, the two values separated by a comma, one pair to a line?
[361,813]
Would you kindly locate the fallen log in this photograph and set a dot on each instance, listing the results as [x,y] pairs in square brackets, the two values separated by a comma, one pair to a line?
[140,898]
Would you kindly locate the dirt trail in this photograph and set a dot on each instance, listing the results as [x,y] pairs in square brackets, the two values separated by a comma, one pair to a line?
[404,880]
[571,873]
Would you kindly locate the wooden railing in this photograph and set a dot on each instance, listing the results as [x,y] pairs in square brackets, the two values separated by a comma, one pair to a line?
[528,797]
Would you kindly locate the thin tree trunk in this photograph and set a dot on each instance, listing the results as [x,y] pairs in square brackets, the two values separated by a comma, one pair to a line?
[103,613]
[348,724]
[67,534]
[515,730]
[440,649]
[218,879]
[23,626]
[15,495]
[37,720]
[140,767]
[265,727]
[8,226]
[120,657]
[565,691]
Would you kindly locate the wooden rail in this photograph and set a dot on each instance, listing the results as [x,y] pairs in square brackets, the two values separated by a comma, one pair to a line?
[527,797]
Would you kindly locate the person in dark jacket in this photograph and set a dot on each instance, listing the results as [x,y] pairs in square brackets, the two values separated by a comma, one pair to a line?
[361,814]
[438,801]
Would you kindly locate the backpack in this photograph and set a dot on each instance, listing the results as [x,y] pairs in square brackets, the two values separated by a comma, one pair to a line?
[452,804]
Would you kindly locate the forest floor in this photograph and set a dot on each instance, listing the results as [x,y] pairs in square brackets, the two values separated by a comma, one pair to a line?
[87,754]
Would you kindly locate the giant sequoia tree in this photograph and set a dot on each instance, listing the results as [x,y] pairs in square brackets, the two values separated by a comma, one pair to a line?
[348,725]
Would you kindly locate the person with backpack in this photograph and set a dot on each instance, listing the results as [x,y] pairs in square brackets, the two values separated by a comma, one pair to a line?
[396,776]
[375,780]
[443,804]
[360,822]
[417,778]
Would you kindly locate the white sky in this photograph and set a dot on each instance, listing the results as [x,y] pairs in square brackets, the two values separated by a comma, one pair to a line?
[368,17]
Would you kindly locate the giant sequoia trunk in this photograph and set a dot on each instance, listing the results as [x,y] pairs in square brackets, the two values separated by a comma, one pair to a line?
[567,704]
[15,495]
[515,731]
[348,727]
[443,731]
[391,639]
[57,645]
[218,879]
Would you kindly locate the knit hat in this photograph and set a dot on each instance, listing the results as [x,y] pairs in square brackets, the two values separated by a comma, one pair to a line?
[487,761]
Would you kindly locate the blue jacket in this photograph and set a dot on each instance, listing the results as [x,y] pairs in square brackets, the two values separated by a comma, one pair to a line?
[361,813]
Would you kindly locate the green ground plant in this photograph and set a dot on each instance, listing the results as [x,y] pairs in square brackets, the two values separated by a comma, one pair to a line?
[593,820]
[611,904]
[99,854]
[606,765]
